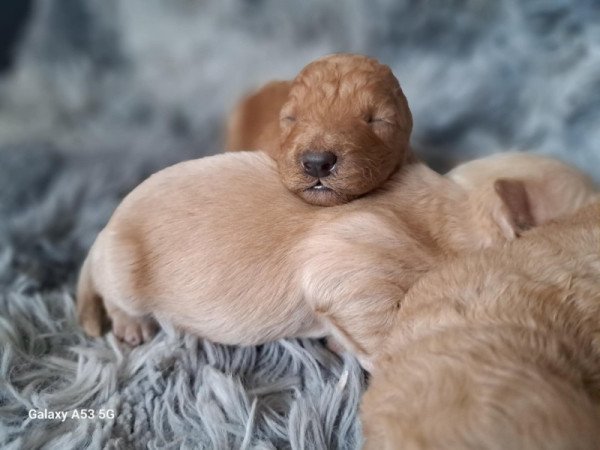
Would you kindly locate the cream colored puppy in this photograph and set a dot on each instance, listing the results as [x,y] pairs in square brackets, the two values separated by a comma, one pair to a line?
[497,350]
[219,247]
[535,188]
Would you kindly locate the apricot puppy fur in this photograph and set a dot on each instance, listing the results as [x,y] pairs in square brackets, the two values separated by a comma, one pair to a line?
[220,248]
[498,349]
[340,129]
[536,189]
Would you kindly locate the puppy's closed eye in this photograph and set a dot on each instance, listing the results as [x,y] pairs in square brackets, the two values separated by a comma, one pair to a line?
[287,114]
[286,122]
[376,120]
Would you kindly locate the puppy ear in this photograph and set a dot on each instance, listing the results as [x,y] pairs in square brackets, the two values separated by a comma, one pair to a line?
[515,215]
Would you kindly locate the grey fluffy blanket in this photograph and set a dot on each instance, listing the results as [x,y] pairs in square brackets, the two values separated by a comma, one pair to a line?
[106,92]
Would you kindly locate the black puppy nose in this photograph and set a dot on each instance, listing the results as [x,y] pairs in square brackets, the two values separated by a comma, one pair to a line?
[318,164]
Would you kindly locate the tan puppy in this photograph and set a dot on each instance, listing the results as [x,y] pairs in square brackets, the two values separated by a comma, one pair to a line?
[340,129]
[497,350]
[254,123]
[536,188]
[220,248]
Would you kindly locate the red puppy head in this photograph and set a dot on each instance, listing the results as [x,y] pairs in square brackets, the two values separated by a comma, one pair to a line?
[345,129]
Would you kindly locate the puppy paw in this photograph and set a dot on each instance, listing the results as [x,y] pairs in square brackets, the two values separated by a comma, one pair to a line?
[133,330]
[334,346]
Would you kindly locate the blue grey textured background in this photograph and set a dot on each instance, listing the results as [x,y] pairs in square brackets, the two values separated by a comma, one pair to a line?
[103,93]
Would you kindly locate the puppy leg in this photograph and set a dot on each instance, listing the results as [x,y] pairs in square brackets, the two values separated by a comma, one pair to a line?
[90,309]
[356,303]
[361,321]
[353,281]
[333,345]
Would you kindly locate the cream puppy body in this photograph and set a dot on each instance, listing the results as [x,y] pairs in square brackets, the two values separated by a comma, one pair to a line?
[536,188]
[497,350]
[219,247]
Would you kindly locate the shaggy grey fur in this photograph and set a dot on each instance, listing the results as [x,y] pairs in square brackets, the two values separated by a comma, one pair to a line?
[106,92]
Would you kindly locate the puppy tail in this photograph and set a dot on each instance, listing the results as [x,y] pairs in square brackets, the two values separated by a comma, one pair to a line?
[90,310]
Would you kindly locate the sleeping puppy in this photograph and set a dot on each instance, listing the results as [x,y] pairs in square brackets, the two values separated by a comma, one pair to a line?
[498,349]
[220,248]
[340,129]
[537,189]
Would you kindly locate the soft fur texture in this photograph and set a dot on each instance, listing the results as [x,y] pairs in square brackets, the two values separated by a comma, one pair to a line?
[106,92]
[350,106]
[497,350]
[218,247]
[512,192]
[254,122]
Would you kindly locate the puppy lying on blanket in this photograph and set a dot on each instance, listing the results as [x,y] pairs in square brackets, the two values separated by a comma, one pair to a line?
[340,129]
[220,248]
[497,350]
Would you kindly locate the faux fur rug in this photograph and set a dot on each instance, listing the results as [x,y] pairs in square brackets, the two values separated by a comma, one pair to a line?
[106,92]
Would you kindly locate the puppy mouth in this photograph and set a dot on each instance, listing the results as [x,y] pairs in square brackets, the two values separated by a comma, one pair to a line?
[322,195]
[318,187]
